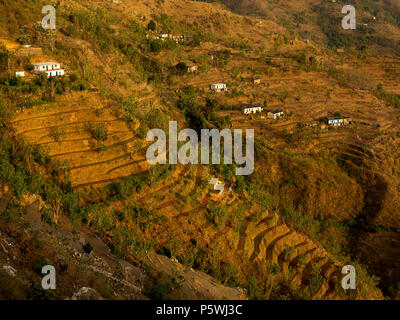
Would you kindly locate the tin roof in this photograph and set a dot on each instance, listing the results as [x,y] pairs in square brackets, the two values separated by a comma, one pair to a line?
[213,180]
[251,106]
[45,63]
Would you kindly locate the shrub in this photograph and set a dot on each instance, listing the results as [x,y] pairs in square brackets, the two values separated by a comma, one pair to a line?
[87,247]
[254,291]
[156,46]
[29,67]
[216,214]
[180,69]
[125,188]
[38,267]
[151,26]
[392,99]
[101,222]
[98,131]
[160,290]
[58,133]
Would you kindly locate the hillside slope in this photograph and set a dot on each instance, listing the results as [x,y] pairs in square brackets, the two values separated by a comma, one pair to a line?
[319,198]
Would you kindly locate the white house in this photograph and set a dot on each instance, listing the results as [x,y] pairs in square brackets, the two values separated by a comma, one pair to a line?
[193,68]
[217,186]
[20,74]
[51,68]
[163,36]
[218,87]
[275,114]
[251,108]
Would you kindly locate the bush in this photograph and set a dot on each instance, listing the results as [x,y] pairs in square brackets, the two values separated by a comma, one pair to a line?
[98,131]
[156,46]
[125,188]
[87,247]
[160,290]
[38,267]
[71,31]
[151,26]
[392,99]
[180,69]
[216,214]
[29,67]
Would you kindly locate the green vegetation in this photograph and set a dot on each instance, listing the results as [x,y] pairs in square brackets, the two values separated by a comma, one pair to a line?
[87,247]
[216,214]
[391,99]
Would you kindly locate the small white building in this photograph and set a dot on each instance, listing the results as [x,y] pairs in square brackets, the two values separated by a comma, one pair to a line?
[275,114]
[163,36]
[53,69]
[218,87]
[251,108]
[217,186]
[193,68]
[20,74]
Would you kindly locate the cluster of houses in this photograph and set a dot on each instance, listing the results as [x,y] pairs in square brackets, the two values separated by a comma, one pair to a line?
[52,69]
[330,121]
[176,38]
[257,108]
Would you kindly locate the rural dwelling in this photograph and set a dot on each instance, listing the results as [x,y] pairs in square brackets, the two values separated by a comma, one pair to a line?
[178,38]
[51,68]
[251,108]
[163,36]
[217,187]
[338,121]
[256,80]
[218,87]
[193,68]
[275,114]
[20,74]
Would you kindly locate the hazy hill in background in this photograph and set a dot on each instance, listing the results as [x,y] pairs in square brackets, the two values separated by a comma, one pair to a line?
[321,20]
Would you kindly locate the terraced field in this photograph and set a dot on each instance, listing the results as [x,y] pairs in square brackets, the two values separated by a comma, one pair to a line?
[63,128]
[183,200]
[274,241]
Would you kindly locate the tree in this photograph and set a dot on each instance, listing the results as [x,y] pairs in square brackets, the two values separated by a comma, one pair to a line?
[181,68]
[155,46]
[211,106]
[4,59]
[151,26]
